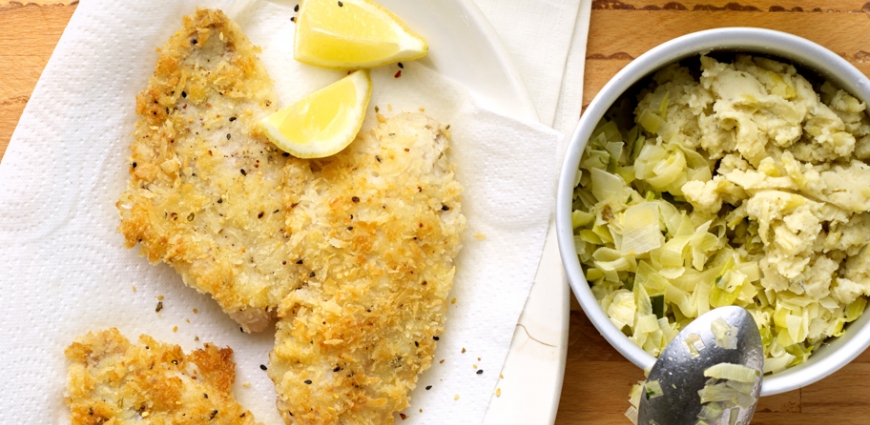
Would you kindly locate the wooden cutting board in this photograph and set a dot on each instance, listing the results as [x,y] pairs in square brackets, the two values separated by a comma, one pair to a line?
[597,378]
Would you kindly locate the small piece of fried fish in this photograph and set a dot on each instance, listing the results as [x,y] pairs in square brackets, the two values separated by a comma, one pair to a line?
[375,230]
[112,381]
[205,190]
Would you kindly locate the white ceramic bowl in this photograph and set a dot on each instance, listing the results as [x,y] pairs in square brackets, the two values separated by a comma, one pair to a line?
[832,355]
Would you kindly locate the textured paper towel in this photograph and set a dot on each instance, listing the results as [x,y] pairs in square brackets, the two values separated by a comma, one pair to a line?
[547,41]
[64,271]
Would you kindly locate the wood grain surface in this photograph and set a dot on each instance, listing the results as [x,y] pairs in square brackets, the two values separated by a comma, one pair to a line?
[597,378]
[28,34]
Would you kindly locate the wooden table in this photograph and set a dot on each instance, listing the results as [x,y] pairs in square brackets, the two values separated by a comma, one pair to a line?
[597,378]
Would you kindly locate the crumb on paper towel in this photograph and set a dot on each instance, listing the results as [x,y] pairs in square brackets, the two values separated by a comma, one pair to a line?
[134,288]
[159,307]
[453,301]
[479,236]
[498,392]
[195,311]
[175,329]
[160,298]
[463,350]
[456,397]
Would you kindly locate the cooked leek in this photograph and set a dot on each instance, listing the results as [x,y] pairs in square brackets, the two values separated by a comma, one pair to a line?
[652,389]
[725,334]
[732,372]
[641,232]
[655,262]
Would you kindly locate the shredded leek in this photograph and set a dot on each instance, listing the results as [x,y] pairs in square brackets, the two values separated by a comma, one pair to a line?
[640,232]
[694,344]
[732,372]
[729,389]
[725,334]
[652,389]
[658,253]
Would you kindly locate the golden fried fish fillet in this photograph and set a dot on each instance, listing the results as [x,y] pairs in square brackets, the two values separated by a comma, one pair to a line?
[112,381]
[205,190]
[374,230]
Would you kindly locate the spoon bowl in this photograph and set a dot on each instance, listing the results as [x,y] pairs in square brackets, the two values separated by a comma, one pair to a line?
[679,369]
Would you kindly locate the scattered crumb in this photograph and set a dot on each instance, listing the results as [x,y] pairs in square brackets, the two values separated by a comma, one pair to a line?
[175,329]
[188,320]
[478,359]
[195,311]
[479,236]
[422,109]
[474,366]
[453,301]
[421,410]
[442,361]
[381,119]
[501,376]
[403,416]
[389,107]
[246,384]
[463,349]
[159,306]
[160,297]
[456,397]
[498,392]
[134,288]
[196,338]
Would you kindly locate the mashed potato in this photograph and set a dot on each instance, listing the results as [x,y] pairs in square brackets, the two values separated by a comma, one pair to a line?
[744,187]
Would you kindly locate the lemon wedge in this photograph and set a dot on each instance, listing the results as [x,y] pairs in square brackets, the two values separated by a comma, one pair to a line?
[352,34]
[324,122]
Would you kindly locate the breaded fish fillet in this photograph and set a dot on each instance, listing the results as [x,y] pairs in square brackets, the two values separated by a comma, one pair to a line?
[112,381]
[374,230]
[205,190]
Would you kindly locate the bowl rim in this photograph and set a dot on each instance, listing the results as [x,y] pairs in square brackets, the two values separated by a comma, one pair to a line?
[790,47]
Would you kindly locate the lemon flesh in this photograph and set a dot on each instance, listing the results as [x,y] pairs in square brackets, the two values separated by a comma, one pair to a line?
[324,122]
[351,34]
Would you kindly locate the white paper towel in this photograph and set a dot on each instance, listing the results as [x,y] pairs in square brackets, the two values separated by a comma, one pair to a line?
[64,271]
[547,41]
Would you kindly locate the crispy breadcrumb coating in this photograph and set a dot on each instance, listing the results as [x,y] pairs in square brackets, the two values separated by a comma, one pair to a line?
[355,251]
[205,189]
[375,232]
[112,381]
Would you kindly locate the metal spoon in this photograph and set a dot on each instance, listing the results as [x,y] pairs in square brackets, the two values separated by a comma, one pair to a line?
[681,375]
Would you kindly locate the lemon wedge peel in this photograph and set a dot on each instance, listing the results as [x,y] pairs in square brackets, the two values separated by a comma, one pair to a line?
[353,34]
[324,122]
